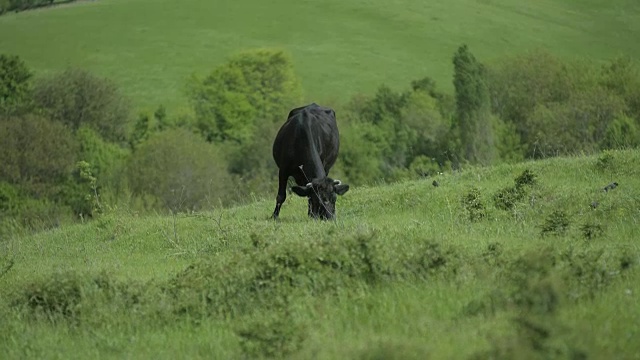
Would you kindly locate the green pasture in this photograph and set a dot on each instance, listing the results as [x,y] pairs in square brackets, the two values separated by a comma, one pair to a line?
[403,273]
[339,47]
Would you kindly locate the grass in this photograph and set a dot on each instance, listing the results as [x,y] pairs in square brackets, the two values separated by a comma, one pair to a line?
[339,48]
[403,273]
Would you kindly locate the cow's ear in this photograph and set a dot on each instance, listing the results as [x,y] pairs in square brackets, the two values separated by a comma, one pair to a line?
[301,190]
[341,189]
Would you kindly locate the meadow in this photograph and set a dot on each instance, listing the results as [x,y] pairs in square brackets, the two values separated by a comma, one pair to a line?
[339,48]
[532,260]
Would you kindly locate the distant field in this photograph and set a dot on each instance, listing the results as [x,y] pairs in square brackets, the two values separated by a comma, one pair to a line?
[339,47]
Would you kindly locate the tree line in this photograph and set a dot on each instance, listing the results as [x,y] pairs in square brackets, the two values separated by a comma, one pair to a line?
[22,5]
[72,147]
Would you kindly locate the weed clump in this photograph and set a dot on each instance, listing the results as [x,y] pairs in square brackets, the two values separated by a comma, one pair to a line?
[274,334]
[80,298]
[606,161]
[473,205]
[591,231]
[59,295]
[557,223]
[527,178]
[508,197]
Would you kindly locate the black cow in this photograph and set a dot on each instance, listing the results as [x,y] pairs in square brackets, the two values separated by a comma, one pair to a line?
[306,147]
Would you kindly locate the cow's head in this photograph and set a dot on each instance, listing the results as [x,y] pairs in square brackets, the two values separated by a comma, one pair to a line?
[322,194]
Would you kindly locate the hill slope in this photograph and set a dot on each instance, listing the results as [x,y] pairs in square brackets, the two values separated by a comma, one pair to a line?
[403,272]
[339,47]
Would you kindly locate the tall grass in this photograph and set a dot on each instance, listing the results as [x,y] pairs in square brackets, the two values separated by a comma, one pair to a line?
[405,272]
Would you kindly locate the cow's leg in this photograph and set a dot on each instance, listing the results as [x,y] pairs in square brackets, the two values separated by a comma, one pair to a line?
[282,192]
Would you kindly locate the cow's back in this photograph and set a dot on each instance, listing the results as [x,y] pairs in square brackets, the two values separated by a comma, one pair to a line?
[311,126]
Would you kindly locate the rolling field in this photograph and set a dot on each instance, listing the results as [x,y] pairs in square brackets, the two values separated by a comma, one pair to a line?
[408,271]
[339,48]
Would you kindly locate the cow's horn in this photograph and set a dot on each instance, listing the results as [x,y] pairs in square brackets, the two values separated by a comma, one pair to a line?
[337,182]
[308,185]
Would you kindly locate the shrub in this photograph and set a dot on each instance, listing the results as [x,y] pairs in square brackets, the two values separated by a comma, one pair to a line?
[76,97]
[35,151]
[14,83]
[473,205]
[181,171]
[557,223]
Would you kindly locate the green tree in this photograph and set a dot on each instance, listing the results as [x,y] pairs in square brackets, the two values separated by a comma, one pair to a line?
[622,76]
[36,153]
[577,125]
[473,114]
[76,97]
[518,84]
[254,86]
[14,85]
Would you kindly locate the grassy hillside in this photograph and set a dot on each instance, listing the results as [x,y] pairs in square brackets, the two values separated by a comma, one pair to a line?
[403,273]
[339,47]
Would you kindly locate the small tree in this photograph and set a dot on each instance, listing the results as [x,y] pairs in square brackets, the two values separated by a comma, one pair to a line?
[473,115]
[76,97]
[35,153]
[180,171]
[14,84]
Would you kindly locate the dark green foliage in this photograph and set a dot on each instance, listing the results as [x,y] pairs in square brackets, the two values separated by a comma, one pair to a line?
[181,171]
[90,299]
[389,132]
[621,133]
[146,125]
[241,105]
[273,273]
[578,124]
[622,76]
[527,178]
[557,223]
[105,158]
[58,295]
[606,162]
[473,113]
[591,231]
[22,5]
[274,334]
[532,289]
[15,79]
[4,6]
[562,107]
[6,263]
[508,197]
[473,205]
[81,193]
[76,97]
[35,152]
[9,199]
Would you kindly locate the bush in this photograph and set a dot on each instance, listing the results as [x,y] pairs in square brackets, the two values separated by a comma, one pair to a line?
[76,97]
[181,171]
[35,152]
[473,205]
[14,84]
